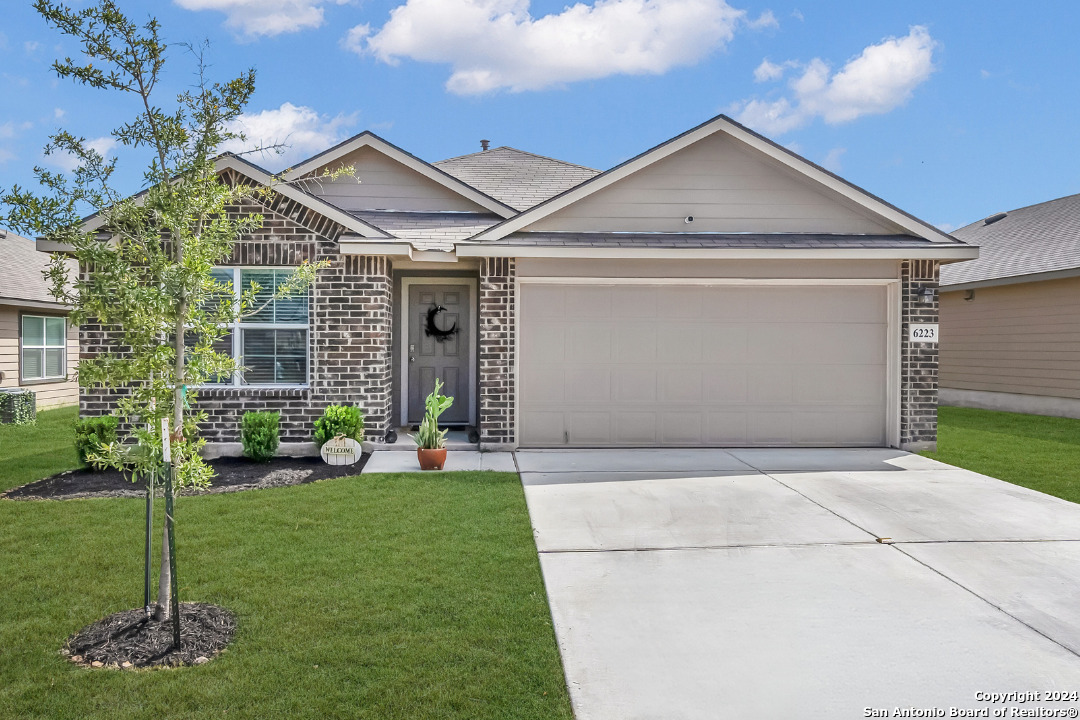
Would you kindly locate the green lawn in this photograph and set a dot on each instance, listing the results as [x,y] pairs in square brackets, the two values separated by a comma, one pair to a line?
[381,596]
[1041,453]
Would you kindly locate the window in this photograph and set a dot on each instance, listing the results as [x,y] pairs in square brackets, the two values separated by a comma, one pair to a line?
[271,343]
[44,347]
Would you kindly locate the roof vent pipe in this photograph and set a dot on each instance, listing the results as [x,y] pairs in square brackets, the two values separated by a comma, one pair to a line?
[484,144]
[994,218]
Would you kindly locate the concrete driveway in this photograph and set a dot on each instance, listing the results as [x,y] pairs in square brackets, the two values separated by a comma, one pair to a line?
[802,584]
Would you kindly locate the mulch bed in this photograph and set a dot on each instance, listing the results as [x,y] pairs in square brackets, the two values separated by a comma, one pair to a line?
[128,640]
[233,475]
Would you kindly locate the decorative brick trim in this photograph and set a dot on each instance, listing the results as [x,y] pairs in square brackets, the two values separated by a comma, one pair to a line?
[498,335]
[918,361]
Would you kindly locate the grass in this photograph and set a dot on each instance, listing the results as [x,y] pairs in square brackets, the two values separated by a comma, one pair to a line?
[379,596]
[1037,452]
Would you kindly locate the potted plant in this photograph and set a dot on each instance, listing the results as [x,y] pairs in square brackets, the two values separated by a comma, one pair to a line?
[430,440]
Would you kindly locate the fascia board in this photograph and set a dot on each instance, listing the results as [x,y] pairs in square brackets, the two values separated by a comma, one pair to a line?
[366,247]
[949,254]
[368,139]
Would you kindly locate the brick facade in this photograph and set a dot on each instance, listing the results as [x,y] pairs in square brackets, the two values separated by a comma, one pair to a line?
[918,361]
[498,334]
[349,332]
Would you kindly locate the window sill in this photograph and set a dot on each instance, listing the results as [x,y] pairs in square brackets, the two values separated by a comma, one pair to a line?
[44,381]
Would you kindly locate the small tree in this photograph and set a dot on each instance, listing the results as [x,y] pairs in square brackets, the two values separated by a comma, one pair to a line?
[145,261]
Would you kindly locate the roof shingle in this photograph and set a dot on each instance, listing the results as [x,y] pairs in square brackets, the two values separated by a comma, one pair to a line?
[22,277]
[515,177]
[1035,239]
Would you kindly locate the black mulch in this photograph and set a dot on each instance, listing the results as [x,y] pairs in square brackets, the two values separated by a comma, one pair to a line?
[128,640]
[233,475]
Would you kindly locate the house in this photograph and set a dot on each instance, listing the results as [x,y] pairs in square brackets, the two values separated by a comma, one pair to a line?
[39,349]
[716,290]
[1011,319]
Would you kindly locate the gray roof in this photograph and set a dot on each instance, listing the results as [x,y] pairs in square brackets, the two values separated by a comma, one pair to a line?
[1035,239]
[429,230]
[515,177]
[22,277]
[793,241]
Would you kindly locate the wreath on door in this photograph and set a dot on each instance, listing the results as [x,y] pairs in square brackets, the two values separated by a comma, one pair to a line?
[432,330]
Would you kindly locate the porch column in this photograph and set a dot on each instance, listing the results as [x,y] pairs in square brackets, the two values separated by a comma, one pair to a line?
[351,317]
[918,361]
[498,334]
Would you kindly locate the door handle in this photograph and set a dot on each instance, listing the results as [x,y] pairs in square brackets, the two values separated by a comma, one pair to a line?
[412,359]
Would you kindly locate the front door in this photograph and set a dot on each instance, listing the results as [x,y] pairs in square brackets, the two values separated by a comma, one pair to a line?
[439,344]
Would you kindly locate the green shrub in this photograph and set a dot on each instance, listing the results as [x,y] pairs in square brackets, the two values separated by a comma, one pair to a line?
[18,407]
[92,432]
[259,435]
[339,420]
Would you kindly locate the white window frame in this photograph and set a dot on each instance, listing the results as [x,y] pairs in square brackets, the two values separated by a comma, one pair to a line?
[63,347]
[237,328]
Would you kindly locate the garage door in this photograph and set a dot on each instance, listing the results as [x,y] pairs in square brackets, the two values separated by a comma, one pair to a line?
[699,365]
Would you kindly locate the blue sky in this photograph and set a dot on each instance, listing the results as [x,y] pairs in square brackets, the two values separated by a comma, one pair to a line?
[950,110]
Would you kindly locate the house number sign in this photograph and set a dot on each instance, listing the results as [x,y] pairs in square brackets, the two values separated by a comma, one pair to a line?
[923,332]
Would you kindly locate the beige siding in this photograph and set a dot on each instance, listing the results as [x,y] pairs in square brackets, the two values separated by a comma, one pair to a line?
[815,269]
[1022,338]
[386,184]
[52,394]
[726,187]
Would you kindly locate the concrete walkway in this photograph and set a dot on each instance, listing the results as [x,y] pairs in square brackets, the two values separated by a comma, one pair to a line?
[752,583]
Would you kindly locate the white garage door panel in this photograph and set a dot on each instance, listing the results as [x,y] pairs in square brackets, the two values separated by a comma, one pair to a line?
[702,365]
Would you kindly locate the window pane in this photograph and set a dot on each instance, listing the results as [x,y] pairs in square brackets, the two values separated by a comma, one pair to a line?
[33,364]
[265,279]
[225,277]
[258,356]
[54,331]
[275,356]
[54,362]
[33,330]
[292,308]
[291,365]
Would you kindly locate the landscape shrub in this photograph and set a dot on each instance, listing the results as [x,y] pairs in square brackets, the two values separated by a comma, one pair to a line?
[339,420]
[93,432]
[259,435]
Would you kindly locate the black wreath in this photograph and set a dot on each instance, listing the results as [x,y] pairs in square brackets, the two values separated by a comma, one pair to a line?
[432,330]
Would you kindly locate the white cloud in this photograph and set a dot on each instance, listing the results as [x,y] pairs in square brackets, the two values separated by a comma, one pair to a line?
[945,227]
[31,45]
[59,113]
[765,20]
[832,159]
[797,15]
[880,79]
[497,44]
[301,129]
[985,74]
[68,162]
[256,18]
[6,155]
[767,70]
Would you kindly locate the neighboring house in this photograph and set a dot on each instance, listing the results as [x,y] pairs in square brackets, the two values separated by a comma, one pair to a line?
[716,290]
[1011,319]
[38,348]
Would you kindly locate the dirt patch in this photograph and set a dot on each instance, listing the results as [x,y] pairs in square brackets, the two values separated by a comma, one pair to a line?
[129,640]
[233,475]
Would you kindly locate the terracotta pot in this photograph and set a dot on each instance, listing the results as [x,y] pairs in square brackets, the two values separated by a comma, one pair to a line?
[431,459]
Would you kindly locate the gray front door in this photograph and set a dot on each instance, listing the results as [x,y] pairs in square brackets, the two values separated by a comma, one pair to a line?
[432,353]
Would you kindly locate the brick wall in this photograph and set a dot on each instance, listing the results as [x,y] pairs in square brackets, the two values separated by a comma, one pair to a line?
[349,326]
[918,361]
[496,366]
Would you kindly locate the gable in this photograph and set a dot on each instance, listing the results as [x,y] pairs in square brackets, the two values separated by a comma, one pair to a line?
[386,184]
[726,186]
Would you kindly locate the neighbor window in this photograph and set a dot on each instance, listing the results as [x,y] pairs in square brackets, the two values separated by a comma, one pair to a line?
[272,342]
[44,347]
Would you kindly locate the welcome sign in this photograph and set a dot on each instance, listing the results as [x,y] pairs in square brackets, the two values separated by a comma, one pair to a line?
[341,450]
